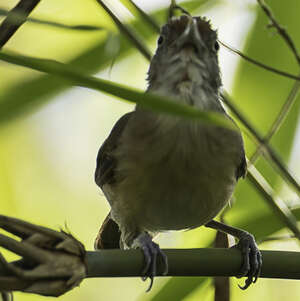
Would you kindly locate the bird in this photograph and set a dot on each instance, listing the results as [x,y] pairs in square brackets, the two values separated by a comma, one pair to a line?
[161,172]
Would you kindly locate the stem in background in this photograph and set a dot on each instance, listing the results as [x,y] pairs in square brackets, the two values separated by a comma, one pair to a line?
[10,25]
[137,42]
[221,284]
[279,120]
[277,205]
[267,150]
[259,64]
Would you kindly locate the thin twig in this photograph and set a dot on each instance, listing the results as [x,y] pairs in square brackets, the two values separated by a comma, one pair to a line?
[138,43]
[9,26]
[295,89]
[279,119]
[281,31]
[281,167]
[259,64]
[277,205]
[268,151]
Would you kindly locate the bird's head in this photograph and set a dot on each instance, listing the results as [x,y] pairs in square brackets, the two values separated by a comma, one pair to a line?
[187,50]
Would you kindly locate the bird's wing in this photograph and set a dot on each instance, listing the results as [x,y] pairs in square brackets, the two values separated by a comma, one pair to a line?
[242,168]
[106,163]
[109,233]
[108,236]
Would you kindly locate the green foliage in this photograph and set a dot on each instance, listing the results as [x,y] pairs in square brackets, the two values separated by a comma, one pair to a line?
[24,164]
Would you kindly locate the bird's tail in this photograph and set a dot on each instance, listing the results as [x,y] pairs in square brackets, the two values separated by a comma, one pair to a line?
[108,236]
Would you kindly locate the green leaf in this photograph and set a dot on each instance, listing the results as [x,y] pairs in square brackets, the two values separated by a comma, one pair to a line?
[147,100]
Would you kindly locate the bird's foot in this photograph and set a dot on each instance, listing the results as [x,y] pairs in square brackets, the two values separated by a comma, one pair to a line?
[252,260]
[152,253]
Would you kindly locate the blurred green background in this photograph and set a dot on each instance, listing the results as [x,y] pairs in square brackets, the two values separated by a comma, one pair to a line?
[50,132]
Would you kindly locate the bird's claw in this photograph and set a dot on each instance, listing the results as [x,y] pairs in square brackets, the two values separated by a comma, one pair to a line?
[52,262]
[252,260]
[152,253]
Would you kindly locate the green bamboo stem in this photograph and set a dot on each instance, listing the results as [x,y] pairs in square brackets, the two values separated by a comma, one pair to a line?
[192,262]
[206,262]
[9,26]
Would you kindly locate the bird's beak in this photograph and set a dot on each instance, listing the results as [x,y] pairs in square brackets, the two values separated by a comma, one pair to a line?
[190,36]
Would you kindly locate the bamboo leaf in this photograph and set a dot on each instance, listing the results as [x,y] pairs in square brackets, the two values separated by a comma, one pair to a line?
[151,101]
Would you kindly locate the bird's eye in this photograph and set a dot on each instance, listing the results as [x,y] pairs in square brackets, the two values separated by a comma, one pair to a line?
[160,40]
[216,46]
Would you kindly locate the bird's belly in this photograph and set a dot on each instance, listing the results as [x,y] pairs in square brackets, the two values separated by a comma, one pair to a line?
[179,203]
[173,202]
[184,188]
